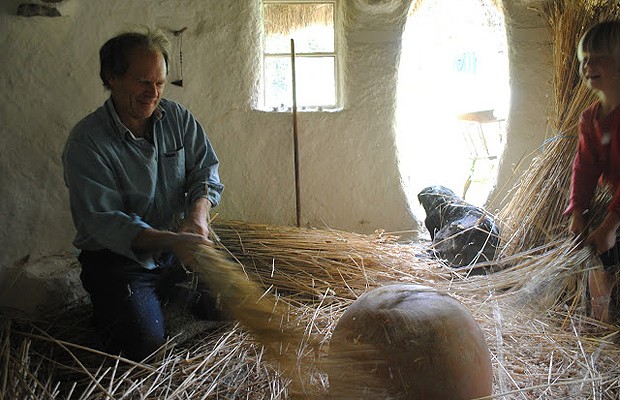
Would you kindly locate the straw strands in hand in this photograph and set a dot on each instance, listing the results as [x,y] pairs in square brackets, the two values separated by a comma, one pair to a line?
[258,310]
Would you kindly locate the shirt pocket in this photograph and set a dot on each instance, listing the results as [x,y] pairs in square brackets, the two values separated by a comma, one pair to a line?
[172,176]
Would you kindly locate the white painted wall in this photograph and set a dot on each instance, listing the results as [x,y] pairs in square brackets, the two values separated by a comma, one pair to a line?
[349,175]
[531,74]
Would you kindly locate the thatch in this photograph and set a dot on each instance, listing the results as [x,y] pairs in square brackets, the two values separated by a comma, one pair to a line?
[285,18]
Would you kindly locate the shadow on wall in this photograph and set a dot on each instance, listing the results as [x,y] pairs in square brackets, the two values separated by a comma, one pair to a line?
[9,7]
[35,7]
[34,288]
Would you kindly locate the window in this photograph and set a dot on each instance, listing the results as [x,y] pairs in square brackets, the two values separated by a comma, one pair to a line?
[311,25]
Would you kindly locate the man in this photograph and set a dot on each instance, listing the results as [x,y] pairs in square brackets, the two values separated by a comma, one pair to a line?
[142,178]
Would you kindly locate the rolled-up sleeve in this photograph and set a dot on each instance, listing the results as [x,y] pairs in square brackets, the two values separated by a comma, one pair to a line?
[586,167]
[201,164]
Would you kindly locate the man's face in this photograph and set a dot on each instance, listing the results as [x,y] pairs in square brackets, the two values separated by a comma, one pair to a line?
[137,93]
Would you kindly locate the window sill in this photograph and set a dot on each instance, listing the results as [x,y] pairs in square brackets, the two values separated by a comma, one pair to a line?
[300,109]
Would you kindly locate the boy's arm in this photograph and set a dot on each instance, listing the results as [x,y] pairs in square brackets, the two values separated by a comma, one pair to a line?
[578,221]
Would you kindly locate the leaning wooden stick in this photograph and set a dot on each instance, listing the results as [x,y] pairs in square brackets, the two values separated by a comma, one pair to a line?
[295,135]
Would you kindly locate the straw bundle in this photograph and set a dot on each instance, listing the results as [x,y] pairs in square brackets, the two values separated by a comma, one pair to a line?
[314,263]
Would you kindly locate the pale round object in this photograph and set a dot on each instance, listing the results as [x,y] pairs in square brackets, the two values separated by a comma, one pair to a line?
[408,342]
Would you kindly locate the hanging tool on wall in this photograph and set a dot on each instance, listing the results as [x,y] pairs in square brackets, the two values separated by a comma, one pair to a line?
[176,64]
[295,136]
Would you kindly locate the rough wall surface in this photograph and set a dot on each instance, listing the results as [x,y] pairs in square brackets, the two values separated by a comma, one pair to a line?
[531,74]
[349,176]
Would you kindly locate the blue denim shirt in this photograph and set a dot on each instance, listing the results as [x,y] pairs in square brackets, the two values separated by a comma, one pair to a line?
[119,184]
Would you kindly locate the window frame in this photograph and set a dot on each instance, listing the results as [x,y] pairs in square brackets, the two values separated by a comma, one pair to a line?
[336,56]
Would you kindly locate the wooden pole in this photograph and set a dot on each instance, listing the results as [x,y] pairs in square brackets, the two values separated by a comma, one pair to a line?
[295,136]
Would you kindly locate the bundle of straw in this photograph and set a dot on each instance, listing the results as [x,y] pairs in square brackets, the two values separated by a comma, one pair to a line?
[256,309]
[315,263]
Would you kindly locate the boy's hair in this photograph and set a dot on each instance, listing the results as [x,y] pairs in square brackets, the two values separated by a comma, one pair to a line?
[114,54]
[603,37]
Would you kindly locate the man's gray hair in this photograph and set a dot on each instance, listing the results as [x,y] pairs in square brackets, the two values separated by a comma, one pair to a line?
[114,54]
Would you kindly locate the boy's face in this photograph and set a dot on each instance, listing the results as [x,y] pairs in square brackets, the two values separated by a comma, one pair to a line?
[600,71]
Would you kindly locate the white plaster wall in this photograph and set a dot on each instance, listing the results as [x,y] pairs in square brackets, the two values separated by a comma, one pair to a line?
[349,177]
[531,74]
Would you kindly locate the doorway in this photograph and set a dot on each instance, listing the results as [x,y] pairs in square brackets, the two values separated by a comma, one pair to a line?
[452,99]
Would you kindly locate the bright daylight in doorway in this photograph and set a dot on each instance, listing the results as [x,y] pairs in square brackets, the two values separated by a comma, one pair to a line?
[453,97]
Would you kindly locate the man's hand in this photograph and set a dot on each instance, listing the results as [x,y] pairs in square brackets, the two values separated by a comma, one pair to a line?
[197,220]
[184,245]
[193,232]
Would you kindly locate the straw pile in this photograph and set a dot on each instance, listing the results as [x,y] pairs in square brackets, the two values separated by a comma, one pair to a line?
[300,282]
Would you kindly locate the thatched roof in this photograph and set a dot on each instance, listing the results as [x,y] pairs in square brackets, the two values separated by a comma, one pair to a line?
[282,19]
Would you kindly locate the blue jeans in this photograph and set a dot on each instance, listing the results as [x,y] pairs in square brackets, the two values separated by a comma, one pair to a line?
[127,301]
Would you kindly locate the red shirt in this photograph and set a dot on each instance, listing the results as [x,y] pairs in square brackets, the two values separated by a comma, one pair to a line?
[597,159]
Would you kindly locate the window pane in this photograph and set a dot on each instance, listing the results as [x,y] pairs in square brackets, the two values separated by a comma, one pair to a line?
[316,82]
[278,81]
[311,25]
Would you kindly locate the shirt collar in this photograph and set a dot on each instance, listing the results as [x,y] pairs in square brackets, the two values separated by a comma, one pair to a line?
[118,126]
[159,112]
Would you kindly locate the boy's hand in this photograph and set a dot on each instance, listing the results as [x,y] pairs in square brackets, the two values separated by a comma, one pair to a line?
[602,239]
[578,223]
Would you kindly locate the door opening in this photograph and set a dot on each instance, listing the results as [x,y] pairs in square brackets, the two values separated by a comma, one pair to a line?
[452,99]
